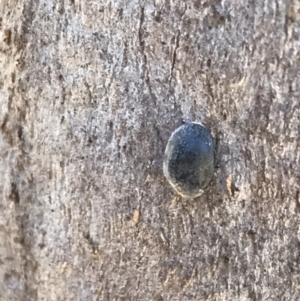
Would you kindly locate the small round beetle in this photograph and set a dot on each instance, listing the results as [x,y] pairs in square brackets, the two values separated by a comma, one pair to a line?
[189,159]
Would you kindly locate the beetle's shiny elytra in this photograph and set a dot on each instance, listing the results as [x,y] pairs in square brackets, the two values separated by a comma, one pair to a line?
[189,159]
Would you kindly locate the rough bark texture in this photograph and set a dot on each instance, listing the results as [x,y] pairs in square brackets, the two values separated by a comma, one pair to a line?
[90,93]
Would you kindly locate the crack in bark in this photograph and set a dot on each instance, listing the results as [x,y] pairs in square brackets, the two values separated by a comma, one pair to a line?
[145,61]
[141,40]
[176,45]
[174,55]
[90,96]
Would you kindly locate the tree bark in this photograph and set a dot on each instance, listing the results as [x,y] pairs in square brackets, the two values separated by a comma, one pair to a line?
[90,93]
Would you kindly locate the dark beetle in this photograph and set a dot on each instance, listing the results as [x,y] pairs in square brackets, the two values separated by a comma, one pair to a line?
[189,159]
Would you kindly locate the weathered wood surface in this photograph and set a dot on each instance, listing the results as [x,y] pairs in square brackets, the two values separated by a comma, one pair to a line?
[90,92]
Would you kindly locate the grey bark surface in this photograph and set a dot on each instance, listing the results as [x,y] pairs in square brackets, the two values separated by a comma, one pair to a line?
[90,93]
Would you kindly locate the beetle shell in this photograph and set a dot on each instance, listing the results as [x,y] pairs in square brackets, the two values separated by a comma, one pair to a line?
[189,159]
